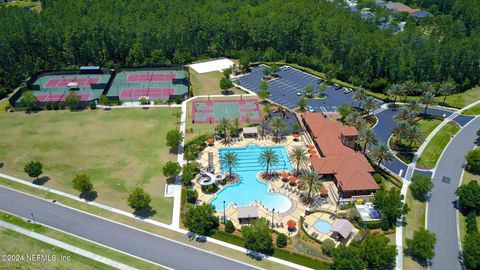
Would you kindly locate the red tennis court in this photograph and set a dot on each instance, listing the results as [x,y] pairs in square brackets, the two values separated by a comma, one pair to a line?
[63,82]
[60,97]
[154,77]
[135,93]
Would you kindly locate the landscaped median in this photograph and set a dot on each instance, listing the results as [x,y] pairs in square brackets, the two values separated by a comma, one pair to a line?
[435,147]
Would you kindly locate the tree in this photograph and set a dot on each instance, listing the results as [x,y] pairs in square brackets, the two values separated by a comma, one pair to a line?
[359,95]
[174,138]
[28,100]
[421,185]
[377,253]
[471,251]
[177,114]
[422,246]
[171,169]
[277,125]
[321,89]
[33,168]
[263,94]
[302,102]
[309,90]
[82,183]
[267,158]
[299,156]
[258,236]
[380,153]
[72,100]
[414,107]
[313,183]
[404,114]
[227,72]
[366,138]
[296,128]
[390,204]
[139,200]
[225,84]
[192,195]
[229,228]
[345,110]
[244,62]
[282,240]
[201,219]
[328,247]
[267,71]
[230,160]
[223,126]
[348,258]
[394,91]
[143,101]
[473,160]
[445,89]
[414,135]
[103,100]
[469,198]
[427,99]
[370,105]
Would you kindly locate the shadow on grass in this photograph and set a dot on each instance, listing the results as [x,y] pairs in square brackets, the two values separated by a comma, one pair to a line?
[145,212]
[1,165]
[41,181]
[89,196]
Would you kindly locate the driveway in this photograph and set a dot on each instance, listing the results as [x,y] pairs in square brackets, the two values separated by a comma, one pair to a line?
[442,214]
[142,244]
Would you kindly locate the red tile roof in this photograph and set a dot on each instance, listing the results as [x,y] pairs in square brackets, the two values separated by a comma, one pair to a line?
[351,169]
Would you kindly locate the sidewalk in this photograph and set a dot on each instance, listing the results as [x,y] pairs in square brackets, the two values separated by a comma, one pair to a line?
[65,246]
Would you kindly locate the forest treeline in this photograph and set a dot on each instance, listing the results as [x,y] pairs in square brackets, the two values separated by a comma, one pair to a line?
[313,33]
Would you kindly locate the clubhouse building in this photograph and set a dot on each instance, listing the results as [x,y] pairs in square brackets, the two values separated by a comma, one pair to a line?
[349,169]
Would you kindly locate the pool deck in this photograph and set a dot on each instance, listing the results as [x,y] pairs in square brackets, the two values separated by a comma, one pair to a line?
[298,208]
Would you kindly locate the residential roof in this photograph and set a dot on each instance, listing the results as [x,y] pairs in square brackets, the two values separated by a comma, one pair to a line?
[250,130]
[247,211]
[421,14]
[343,227]
[399,7]
[351,168]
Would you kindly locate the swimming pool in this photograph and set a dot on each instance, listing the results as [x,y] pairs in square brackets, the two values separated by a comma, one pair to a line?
[250,189]
[323,226]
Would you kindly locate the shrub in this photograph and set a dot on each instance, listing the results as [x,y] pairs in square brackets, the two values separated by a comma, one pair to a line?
[282,240]
[201,219]
[93,106]
[82,183]
[48,106]
[328,246]
[229,228]
[378,178]
[385,224]
[421,186]
[178,100]
[471,251]
[469,198]
[174,138]
[422,246]
[171,169]
[373,224]
[192,196]
[471,221]
[209,189]
[258,236]
[56,106]
[139,199]
[33,168]
[473,160]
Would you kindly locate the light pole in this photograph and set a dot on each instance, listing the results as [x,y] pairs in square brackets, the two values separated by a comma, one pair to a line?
[273,216]
[224,216]
[33,218]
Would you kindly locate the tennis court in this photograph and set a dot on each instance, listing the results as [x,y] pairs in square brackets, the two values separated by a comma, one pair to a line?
[61,97]
[65,82]
[211,111]
[155,85]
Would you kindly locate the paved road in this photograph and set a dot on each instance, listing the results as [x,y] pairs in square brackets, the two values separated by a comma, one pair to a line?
[129,240]
[442,214]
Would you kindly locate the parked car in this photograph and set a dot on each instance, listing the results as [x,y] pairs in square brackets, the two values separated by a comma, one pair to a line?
[348,90]
[337,87]
[299,93]
[201,238]
[310,109]
[319,81]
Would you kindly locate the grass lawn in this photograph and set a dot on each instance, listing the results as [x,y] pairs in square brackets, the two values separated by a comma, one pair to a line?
[3,104]
[426,126]
[77,242]
[435,147]
[208,83]
[34,5]
[467,178]
[415,220]
[475,110]
[119,149]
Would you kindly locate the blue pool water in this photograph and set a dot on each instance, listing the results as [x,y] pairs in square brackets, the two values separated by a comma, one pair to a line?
[250,189]
[323,226]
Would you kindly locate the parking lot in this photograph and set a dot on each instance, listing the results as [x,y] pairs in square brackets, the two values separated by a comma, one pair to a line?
[284,89]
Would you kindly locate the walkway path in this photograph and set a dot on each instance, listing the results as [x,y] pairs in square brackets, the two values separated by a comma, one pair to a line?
[65,246]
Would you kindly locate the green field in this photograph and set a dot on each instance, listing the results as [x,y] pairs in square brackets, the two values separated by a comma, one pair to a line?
[208,83]
[435,147]
[475,110]
[120,149]
[71,240]
[415,219]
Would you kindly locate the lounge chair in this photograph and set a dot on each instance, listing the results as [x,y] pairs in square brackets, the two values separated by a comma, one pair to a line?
[306,225]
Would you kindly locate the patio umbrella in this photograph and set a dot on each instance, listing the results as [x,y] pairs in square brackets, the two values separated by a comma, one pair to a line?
[296,136]
[210,140]
[311,146]
[291,224]
[314,156]
[324,192]
[285,175]
[313,152]
[292,179]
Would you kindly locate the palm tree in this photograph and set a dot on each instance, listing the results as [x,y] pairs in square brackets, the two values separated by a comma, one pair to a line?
[403,90]
[410,88]
[223,126]
[394,91]
[401,129]
[414,106]
[428,99]
[268,157]
[414,135]
[277,124]
[359,95]
[366,138]
[404,114]
[370,105]
[266,110]
[446,89]
[299,156]
[177,114]
[231,160]
[313,183]
[380,153]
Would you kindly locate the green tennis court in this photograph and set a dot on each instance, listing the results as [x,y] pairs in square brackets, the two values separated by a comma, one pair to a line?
[211,111]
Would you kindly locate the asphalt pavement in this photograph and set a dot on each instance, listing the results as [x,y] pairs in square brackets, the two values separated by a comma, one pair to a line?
[142,244]
[442,212]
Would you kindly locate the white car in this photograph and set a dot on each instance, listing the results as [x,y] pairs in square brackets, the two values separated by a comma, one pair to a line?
[310,109]
[348,90]
[299,93]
